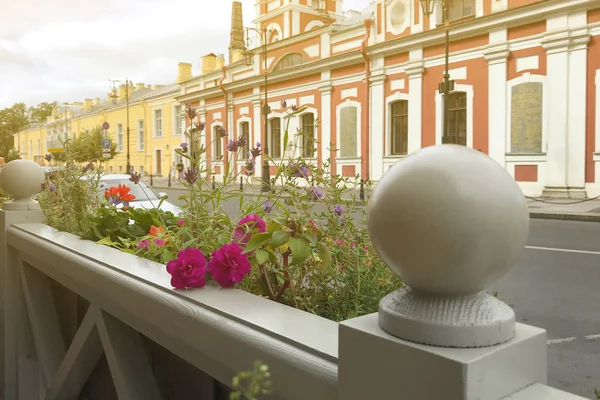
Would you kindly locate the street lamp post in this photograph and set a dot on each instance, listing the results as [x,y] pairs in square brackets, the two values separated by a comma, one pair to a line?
[248,58]
[447,85]
[127,83]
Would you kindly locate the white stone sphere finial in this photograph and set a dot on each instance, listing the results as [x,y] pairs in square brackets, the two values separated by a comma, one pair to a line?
[449,221]
[22,179]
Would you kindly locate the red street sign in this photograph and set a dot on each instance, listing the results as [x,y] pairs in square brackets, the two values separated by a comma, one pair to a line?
[105,126]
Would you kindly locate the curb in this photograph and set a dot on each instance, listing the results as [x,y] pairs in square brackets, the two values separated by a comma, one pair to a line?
[565,217]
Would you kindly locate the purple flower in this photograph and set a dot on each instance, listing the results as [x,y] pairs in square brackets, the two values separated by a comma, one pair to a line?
[229,265]
[159,242]
[143,244]
[52,187]
[43,185]
[315,193]
[188,269]
[134,177]
[242,141]
[256,151]
[250,166]
[191,176]
[267,207]
[232,146]
[284,104]
[191,112]
[200,125]
[299,171]
[184,147]
[248,226]
[88,167]
[338,210]
[221,133]
[294,108]
[48,157]
[342,221]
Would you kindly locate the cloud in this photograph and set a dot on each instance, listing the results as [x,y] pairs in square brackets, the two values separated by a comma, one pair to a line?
[67,50]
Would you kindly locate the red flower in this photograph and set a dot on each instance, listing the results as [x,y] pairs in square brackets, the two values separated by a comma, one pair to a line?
[118,195]
[188,270]
[249,226]
[228,265]
[156,230]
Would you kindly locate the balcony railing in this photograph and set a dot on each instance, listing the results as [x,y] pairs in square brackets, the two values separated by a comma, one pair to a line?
[83,318]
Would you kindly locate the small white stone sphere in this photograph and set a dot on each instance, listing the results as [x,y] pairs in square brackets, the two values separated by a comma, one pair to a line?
[22,179]
[448,220]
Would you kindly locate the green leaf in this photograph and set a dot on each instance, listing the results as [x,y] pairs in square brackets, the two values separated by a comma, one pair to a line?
[262,256]
[285,140]
[257,240]
[279,238]
[107,241]
[273,226]
[324,254]
[169,256]
[300,250]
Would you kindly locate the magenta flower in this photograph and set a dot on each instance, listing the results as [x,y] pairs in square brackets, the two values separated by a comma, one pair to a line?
[228,265]
[247,227]
[159,242]
[188,269]
[143,244]
[180,223]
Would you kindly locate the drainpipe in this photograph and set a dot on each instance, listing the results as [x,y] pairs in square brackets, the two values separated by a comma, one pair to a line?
[225,121]
[364,141]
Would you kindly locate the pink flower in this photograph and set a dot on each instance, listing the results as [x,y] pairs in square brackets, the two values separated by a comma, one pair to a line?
[247,227]
[159,242]
[143,244]
[180,223]
[188,269]
[339,242]
[228,265]
[341,267]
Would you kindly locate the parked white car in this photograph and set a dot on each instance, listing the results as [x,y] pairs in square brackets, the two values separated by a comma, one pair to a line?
[145,196]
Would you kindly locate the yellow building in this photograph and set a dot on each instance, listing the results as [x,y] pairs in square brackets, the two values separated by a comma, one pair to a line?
[155,119]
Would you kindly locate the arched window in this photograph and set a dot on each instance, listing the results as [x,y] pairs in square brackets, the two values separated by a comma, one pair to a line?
[399,119]
[349,132]
[308,135]
[457,119]
[275,138]
[290,60]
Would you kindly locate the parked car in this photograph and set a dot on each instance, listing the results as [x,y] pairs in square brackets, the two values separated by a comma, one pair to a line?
[145,196]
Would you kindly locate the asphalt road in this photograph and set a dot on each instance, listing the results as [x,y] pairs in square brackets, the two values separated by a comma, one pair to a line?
[555,285]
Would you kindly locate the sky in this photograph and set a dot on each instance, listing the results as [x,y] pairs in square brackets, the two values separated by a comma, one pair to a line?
[68,50]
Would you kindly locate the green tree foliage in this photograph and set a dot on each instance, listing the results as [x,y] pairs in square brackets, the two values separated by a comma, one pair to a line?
[88,146]
[17,118]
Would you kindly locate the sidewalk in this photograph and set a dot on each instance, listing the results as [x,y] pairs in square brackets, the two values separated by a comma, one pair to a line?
[556,209]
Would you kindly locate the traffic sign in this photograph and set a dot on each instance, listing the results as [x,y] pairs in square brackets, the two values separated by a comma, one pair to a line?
[106,144]
[106,155]
[105,126]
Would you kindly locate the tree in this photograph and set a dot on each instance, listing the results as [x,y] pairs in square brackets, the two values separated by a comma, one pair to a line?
[41,112]
[88,146]
[12,120]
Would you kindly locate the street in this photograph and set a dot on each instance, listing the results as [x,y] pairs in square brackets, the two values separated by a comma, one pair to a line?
[555,285]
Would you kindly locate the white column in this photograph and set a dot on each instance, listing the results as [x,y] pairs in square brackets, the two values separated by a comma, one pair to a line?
[377,126]
[497,103]
[257,131]
[558,67]
[326,121]
[415,106]
[295,22]
[287,24]
[577,111]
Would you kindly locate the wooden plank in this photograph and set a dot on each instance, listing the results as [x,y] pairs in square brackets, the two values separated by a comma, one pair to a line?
[45,325]
[128,360]
[80,361]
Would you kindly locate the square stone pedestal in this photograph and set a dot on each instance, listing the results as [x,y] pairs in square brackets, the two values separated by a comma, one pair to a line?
[376,365]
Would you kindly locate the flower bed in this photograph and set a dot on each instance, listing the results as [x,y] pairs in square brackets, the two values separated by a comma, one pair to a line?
[304,244]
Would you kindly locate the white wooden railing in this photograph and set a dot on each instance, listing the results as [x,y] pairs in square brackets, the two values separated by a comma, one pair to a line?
[67,301]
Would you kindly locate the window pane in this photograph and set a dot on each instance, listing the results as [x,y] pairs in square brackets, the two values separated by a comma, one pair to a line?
[308,135]
[275,147]
[348,132]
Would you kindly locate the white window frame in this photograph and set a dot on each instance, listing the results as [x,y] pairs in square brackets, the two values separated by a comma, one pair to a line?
[141,134]
[119,134]
[338,110]
[388,121]
[158,131]
[282,119]
[242,158]
[439,112]
[315,113]
[178,114]
[214,143]
[527,78]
